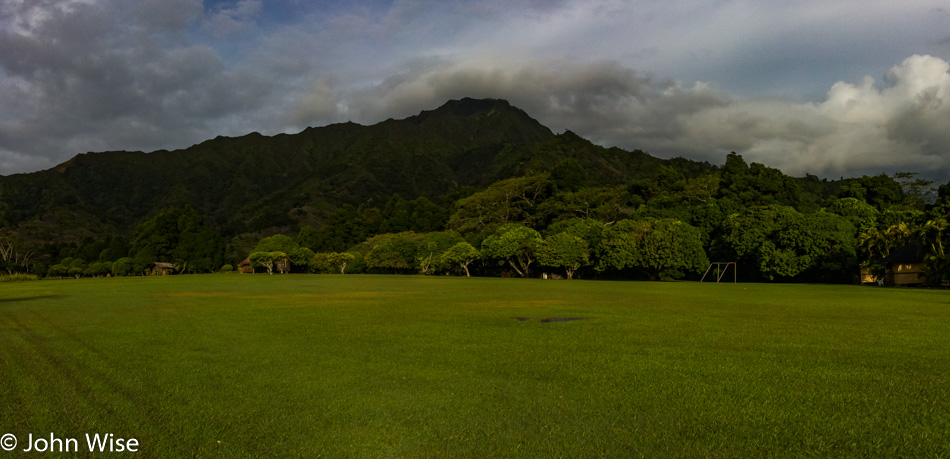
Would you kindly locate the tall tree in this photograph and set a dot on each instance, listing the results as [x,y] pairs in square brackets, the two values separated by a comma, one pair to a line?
[15,256]
[565,251]
[663,249]
[506,201]
[515,244]
[786,244]
[461,254]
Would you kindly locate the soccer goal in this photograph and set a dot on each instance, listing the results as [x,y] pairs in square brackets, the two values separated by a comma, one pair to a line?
[721,268]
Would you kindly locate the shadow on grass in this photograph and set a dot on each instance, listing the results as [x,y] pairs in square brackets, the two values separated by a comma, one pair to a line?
[32,298]
[551,319]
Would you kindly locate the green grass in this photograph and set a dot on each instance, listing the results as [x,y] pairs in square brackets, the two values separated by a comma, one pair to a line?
[380,366]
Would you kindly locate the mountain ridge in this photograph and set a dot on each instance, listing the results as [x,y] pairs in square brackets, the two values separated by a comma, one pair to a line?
[253,182]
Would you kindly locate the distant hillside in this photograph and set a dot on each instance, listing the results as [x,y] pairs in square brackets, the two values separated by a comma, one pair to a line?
[254,183]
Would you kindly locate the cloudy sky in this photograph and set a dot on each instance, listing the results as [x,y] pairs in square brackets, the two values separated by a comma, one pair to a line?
[827,87]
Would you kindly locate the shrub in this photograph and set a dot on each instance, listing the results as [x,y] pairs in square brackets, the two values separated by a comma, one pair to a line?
[227,269]
[18,277]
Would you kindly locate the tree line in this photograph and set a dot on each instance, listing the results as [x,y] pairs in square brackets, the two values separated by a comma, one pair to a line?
[668,226]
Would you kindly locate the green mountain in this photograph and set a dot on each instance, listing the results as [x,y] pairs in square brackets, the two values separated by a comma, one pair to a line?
[256,183]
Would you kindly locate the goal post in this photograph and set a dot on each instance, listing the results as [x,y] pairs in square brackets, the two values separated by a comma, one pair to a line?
[721,268]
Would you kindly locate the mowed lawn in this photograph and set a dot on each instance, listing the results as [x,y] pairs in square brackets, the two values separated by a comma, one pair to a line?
[381,366]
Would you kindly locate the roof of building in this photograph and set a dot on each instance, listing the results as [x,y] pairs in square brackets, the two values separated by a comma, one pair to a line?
[909,253]
[163,265]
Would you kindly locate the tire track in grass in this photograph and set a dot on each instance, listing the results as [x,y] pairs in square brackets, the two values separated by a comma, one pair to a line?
[109,413]
[12,391]
[68,375]
[130,395]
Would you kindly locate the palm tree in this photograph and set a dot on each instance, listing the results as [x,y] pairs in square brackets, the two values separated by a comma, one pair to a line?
[898,235]
[874,243]
[935,258]
[930,235]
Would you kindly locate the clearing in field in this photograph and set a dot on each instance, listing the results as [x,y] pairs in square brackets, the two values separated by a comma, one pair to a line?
[303,365]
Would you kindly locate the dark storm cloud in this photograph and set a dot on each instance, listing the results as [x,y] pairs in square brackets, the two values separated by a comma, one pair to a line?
[780,82]
[856,127]
[112,75]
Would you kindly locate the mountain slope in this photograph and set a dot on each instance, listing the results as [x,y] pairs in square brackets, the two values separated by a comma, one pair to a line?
[253,182]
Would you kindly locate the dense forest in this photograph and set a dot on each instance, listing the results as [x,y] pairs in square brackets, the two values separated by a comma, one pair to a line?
[475,187]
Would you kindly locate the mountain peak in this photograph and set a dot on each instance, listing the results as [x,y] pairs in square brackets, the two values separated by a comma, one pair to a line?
[468,106]
[487,120]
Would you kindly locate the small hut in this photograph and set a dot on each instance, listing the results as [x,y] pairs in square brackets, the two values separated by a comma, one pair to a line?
[866,277]
[245,267]
[161,268]
[905,266]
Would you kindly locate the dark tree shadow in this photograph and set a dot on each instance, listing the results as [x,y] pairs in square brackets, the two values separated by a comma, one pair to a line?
[32,298]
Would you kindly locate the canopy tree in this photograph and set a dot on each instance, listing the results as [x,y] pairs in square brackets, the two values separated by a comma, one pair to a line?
[505,201]
[461,255]
[663,249]
[515,244]
[783,243]
[563,250]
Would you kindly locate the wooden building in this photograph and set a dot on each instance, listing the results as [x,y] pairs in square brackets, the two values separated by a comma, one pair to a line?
[161,268]
[905,266]
[245,267]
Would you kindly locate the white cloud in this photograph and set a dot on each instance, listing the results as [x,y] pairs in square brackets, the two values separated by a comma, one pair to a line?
[857,128]
[86,75]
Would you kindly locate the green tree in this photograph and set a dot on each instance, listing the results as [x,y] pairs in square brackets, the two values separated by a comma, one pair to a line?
[861,214]
[320,262]
[344,228]
[607,204]
[461,254]
[308,237]
[756,184]
[339,260]
[569,175]
[276,243]
[591,231]
[880,191]
[98,269]
[784,243]
[15,256]
[664,249]
[302,258]
[397,215]
[122,267]
[58,270]
[515,244]
[143,258]
[505,201]
[565,251]
[395,252]
[264,260]
[177,235]
[426,216]
[936,259]
[917,192]
[430,248]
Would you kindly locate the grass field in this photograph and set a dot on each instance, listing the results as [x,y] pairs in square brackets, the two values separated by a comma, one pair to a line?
[370,366]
